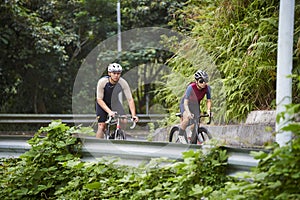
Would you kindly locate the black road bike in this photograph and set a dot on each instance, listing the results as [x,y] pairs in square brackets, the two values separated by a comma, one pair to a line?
[198,133]
[117,133]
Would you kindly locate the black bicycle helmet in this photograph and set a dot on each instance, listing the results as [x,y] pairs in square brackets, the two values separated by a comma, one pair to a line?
[201,74]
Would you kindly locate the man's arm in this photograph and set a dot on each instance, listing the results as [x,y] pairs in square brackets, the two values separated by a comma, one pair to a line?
[208,101]
[103,105]
[132,109]
[208,105]
[128,95]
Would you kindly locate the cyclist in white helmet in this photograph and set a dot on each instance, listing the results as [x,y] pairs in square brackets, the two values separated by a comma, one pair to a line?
[190,103]
[108,89]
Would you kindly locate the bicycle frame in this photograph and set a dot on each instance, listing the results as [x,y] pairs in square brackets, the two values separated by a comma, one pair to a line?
[196,135]
[199,133]
[118,133]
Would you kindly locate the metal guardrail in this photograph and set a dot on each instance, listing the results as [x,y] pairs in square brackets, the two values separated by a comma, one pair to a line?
[133,152]
[66,118]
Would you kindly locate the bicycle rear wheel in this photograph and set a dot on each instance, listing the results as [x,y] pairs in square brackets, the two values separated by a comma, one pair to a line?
[120,135]
[203,134]
[173,137]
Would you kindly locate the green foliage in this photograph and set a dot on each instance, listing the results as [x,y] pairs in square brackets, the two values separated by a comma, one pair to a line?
[241,37]
[189,58]
[91,180]
[51,169]
[38,173]
[277,175]
[247,57]
[42,44]
[148,13]
[196,176]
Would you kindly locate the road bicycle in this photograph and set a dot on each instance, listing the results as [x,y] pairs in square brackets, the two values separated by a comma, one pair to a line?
[117,133]
[197,135]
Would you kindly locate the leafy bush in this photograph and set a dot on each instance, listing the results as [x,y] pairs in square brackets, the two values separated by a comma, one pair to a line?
[38,172]
[52,169]
[198,175]
[241,37]
[278,173]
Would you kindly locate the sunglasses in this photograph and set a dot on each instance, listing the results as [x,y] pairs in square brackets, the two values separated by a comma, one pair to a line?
[116,73]
[201,81]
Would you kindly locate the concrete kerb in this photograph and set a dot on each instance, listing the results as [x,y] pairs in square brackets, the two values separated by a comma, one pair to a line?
[257,130]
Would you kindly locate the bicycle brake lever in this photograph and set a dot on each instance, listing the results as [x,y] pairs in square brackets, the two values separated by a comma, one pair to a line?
[108,120]
[209,119]
[133,124]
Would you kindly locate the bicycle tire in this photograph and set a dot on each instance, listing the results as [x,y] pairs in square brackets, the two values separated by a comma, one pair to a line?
[194,138]
[204,134]
[173,136]
[119,135]
[123,135]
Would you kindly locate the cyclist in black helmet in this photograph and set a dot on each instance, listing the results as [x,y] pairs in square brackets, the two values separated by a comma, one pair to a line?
[190,103]
[108,89]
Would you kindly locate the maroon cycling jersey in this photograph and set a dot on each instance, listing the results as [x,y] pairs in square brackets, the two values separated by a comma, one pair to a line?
[194,95]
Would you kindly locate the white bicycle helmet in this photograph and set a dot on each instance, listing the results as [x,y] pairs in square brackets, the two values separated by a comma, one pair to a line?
[114,67]
[201,74]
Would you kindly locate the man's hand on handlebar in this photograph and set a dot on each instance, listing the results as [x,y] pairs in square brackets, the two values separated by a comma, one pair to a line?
[210,116]
[190,115]
[209,113]
[112,114]
[135,118]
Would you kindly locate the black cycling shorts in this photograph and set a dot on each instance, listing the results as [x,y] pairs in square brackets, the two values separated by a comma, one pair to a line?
[102,114]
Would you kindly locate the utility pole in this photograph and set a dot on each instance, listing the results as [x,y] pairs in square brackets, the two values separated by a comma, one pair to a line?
[284,64]
[119,27]
[119,39]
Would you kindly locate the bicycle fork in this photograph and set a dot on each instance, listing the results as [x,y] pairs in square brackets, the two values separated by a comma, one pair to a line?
[182,136]
[118,127]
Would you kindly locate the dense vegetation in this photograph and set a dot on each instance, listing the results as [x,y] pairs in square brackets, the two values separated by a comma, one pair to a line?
[237,45]
[52,169]
[43,44]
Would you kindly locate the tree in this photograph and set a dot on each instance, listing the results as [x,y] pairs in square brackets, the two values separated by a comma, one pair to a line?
[141,14]
[42,44]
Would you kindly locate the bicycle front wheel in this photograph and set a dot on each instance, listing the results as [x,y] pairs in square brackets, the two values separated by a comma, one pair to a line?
[106,135]
[120,135]
[173,137]
[203,134]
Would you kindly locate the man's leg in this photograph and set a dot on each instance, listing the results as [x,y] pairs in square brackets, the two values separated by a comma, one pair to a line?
[100,131]
[101,118]
[183,124]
